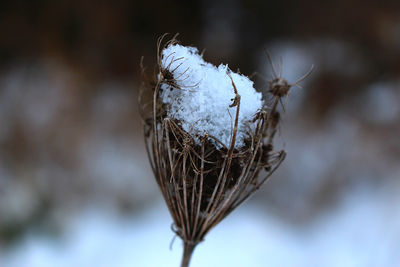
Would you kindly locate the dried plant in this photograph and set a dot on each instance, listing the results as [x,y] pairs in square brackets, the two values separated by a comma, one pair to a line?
[202,182]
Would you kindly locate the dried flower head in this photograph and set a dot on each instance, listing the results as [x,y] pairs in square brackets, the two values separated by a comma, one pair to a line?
[208,135]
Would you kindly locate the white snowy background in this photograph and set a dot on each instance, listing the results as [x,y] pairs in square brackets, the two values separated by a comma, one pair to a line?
[360,231]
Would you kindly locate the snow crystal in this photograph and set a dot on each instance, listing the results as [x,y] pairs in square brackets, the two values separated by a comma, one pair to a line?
[203,95]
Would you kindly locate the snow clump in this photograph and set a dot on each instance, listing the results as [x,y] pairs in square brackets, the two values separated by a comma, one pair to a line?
[201,94]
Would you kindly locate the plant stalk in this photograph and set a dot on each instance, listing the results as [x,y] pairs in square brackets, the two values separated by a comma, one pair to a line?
[188,249]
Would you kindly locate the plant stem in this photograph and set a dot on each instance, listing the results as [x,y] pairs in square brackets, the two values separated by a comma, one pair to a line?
[187,253]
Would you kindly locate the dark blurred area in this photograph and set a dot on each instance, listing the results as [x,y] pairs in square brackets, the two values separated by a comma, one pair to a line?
[70,132]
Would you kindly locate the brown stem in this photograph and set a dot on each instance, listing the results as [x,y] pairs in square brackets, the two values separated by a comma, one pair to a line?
[188,249]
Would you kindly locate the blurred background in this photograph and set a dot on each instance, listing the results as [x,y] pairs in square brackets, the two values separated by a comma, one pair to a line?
[75,185]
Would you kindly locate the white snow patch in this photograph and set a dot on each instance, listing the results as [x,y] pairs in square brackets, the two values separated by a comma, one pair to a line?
[363,230]
[201,103]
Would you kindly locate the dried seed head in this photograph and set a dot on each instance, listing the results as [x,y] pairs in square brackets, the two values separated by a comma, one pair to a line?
[167,77]
[279,87]
[204,177]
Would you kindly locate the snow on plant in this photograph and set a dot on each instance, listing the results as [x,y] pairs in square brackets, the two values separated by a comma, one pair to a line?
[209,136]
[200,97]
